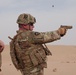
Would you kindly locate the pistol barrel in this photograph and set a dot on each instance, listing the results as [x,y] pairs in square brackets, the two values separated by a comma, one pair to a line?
[66,26]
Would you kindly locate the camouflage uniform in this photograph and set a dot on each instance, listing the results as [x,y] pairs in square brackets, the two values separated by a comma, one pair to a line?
[26,48]
[28,53]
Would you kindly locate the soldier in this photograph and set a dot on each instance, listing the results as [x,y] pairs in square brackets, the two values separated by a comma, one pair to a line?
[1,49]
[27,48]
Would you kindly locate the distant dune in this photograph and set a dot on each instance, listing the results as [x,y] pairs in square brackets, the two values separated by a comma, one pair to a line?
[62,61]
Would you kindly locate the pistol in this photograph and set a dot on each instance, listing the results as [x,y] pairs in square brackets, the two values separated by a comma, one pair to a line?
[66,26]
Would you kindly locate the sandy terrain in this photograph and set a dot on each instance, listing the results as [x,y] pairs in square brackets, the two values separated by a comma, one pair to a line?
[62,61]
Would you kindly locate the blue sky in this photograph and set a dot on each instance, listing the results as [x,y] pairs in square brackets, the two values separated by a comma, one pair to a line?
[48,18]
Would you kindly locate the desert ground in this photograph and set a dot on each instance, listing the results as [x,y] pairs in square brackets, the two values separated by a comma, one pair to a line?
[62,61]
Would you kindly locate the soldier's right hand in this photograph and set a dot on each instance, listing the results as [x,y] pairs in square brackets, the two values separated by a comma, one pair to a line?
[62,31]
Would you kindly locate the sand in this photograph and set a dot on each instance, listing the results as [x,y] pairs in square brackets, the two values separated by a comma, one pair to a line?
[62,61]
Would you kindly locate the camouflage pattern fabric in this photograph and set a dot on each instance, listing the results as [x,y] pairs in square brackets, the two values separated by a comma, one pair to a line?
[25,19]
[27,51]
[36,71]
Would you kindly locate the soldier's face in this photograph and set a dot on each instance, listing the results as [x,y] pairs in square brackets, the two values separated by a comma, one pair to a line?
[29,27]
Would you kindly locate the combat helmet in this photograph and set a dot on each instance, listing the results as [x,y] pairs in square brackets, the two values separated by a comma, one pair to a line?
[25,19]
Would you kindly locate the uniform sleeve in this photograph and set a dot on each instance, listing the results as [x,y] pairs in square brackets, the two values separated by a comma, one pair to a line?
[46,37]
